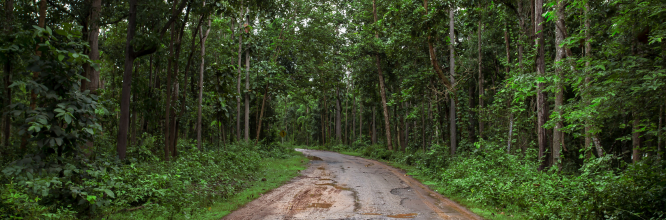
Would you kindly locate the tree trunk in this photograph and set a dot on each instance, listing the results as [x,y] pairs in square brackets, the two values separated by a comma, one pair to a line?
[7,120]
[423,126]
[346,138]
[542,112]
[167,117]
[636,139]
[406,123]
[374,126]
[127,82]
[247,85]
[203,37]
[428,123]
[559,95]
[338,116]
[261,117]
[508,70]
[360,121]
[661,111]
[353,120]
[382,90]
[481,78]
[238,85]
[433,55]
[176,67]
[521,22]
[403,134]
[452,106]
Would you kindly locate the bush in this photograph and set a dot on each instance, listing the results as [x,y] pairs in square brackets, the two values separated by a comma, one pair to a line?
[38,186]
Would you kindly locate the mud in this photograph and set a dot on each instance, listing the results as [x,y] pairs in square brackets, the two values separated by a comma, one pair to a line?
[337,186]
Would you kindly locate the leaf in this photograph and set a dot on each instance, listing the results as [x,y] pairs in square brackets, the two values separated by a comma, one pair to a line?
[61,57]
[58,141]
[68,119]
[110,193]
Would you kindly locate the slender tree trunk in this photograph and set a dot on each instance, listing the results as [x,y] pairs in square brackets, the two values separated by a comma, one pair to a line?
[360,121]
[261,117]
[508,70]
[542,112]
[338,116]
[353,120]
[374,125]
[452,106]
[346,138]
[559,95]
[247,85]
[590,139]
[7,120]
[429,123]
[176,67]
[423,126]
[661,111]
[481,78]
[238,86]
[521,22]
[636,139]
[203,37]
[167,117]
[127,82]
[382,90]
[307,131]
[407,106]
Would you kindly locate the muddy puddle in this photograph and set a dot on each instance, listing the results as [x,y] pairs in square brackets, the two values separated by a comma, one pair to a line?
[408,215]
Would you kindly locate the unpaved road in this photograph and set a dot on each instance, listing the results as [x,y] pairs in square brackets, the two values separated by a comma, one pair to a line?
[337,186]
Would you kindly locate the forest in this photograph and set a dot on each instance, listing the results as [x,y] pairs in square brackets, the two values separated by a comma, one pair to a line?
[547,109]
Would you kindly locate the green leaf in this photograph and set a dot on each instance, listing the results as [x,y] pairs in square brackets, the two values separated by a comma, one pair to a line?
[110,193]
[61,57]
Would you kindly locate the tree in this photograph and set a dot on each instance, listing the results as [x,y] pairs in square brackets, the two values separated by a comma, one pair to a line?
[203,37]
[382,90]
[130,55]
[542,112]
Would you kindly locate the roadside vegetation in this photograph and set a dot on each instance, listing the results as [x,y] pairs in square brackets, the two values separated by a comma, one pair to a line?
[166,109]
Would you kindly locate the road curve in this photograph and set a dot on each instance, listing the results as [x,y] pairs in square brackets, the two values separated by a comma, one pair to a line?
[337,186]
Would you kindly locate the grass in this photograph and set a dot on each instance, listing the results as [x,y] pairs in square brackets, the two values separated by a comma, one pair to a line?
[276,172]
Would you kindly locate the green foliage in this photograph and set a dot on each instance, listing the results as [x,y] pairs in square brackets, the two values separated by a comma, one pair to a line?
[75,186]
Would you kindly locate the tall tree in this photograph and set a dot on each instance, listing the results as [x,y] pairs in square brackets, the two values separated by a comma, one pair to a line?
[203,37]
[452,103]
[382,90]
[542,112]
[6,124]
[559,94]
[247,80]
[130,56]
[481,77]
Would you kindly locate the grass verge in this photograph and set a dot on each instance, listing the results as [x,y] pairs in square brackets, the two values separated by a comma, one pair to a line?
[276,172]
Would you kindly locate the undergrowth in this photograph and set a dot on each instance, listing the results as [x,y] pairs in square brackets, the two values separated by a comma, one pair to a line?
[49,187]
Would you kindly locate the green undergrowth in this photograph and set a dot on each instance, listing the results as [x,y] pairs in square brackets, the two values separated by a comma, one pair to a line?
[273,173]
[497,185]
[204,184]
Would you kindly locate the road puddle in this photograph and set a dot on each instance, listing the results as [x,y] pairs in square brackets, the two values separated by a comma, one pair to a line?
[314,158]
[409,215]
[320,205]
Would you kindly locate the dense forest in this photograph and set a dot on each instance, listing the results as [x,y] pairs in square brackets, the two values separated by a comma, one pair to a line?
[552,109]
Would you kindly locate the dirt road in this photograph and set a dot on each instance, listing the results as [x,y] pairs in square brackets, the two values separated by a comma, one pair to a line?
[337,186]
